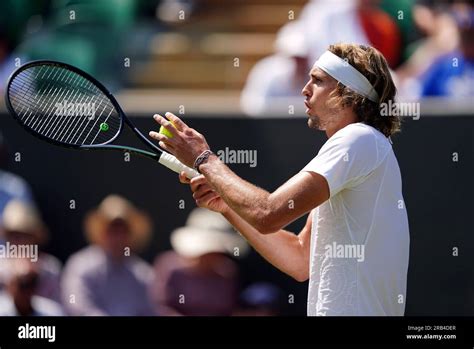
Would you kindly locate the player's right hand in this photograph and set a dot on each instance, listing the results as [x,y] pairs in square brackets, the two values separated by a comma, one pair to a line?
[203,194]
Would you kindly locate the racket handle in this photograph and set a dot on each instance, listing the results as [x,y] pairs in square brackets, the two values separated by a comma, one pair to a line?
[174,164]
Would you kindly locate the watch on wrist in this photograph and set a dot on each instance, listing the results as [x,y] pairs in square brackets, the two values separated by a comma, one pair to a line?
[202,158]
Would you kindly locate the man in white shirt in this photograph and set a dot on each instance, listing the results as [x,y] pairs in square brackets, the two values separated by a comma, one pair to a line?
[355,244]
[278,77]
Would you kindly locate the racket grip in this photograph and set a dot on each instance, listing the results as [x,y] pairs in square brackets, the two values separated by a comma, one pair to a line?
[174,164]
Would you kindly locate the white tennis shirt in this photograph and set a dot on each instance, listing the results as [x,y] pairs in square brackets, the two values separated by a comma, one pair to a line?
[359,237]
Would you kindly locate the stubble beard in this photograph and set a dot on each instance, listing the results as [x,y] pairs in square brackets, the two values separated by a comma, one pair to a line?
[314,123]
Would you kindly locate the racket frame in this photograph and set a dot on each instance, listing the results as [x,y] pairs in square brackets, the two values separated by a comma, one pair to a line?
[106,92]
[161,156]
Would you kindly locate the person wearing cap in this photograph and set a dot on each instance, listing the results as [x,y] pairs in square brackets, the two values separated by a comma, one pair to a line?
[107,277]
[22,226]
[198,278]
[354,247]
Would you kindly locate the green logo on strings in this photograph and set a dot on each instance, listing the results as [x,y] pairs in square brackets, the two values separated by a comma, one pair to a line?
[104,127]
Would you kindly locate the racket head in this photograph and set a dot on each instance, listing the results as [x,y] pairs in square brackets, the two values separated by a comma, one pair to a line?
[63,105]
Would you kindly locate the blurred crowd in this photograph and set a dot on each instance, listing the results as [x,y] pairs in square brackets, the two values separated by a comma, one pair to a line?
[107,277]
[199,276]
[429,45]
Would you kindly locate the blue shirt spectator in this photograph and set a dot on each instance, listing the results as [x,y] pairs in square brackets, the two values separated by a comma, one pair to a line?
[13,186]
[450,76]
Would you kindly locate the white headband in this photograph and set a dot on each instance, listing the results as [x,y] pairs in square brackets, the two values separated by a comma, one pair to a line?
[345,73]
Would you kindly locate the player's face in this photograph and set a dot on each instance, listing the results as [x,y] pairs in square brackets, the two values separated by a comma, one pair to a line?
[317,91]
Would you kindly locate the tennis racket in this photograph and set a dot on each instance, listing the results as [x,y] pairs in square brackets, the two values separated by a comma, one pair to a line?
[65,106]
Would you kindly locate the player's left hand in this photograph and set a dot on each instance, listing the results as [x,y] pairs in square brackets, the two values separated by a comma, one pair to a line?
[203,193]
[186,144]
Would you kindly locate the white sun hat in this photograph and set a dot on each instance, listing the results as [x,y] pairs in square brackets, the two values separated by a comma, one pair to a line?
[23,217]
[207,232]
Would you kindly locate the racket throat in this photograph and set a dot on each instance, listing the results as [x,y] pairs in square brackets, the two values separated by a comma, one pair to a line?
[132,150]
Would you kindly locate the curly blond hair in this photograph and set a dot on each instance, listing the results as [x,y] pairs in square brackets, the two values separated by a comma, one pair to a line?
[372,64]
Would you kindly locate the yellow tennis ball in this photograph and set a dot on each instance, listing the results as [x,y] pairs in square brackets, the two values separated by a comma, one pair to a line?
[164,131]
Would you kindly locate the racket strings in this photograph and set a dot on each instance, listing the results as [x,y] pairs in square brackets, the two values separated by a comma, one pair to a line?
[62,105]
[62,124]
[45,115]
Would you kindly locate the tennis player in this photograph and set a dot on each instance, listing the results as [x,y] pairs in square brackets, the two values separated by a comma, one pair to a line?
[354,247]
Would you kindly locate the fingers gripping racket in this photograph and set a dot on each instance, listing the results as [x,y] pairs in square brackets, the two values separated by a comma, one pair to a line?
[65,106]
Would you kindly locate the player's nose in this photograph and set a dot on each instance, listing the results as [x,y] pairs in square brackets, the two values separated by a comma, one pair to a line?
[305,91]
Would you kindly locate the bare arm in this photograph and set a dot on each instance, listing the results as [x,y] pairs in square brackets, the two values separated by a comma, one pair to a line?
[266,212]
[284,250]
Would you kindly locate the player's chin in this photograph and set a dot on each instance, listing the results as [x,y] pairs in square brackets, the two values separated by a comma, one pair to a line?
[313,122]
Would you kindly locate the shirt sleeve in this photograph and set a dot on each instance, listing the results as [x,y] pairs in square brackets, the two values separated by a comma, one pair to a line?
[345,159]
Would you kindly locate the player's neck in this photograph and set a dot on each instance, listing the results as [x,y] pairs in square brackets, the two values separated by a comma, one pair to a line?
[347,117]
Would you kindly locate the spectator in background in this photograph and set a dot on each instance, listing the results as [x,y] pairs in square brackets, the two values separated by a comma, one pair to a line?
[440,37]
[198,278]
[12,186]
[107,278]
[22,225]
[356,21]
[453,74]
[18,298]
[280,75]
[299,43]
[401,11]
[260,299]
